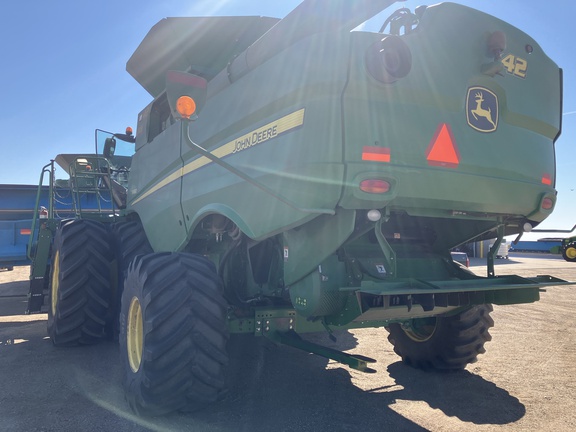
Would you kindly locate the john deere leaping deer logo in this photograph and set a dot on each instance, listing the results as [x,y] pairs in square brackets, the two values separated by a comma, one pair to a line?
[482,109]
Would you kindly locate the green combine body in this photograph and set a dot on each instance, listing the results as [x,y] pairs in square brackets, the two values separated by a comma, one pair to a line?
[318,182]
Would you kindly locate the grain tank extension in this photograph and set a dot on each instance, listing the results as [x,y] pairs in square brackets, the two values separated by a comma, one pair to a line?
[294,176]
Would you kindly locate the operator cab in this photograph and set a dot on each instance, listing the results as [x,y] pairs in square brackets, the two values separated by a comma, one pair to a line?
[118,150]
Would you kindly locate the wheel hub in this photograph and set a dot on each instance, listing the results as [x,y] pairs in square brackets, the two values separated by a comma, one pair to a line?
[134,335]
[420,329]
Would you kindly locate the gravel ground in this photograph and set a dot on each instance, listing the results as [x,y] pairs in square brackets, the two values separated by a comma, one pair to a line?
[525,382]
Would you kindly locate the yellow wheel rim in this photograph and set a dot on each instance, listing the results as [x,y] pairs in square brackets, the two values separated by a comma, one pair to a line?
[420,329]
[55,282]
[134,335]
[571,252]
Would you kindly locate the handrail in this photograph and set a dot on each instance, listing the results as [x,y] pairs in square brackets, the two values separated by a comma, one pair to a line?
[555,230]
[37,204]
[95,174]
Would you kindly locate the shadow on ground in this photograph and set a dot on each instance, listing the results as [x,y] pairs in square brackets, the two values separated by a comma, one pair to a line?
[461,394]
[283,389]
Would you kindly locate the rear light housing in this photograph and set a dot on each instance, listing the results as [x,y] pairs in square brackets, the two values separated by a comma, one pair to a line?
[547,203]
[374,186]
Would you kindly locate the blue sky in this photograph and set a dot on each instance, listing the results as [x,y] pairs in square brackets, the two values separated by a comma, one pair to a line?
[63,72]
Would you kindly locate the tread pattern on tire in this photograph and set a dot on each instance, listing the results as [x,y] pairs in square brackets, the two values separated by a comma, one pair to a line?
[185,333]
[84,288]
[130,241]
[456,342]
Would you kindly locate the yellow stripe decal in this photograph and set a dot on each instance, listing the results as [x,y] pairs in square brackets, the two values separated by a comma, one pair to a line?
[172,177]
[258,136]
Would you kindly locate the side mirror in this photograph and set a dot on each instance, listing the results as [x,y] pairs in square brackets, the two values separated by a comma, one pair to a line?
[109,147]
[186,94]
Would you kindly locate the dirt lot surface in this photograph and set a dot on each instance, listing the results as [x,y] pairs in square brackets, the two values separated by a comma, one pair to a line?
[525,382]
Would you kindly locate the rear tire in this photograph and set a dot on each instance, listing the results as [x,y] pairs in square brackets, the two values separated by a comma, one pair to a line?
[129,240]
[173,333]
[443,343]
[80,287]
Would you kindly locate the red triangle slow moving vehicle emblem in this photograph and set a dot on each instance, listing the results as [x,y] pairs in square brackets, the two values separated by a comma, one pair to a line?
[442,150]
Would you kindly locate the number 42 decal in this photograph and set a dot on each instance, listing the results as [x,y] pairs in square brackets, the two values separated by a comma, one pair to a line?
[515,65]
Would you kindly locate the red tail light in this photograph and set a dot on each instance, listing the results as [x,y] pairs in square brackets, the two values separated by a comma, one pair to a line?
[374,186]
[547,203]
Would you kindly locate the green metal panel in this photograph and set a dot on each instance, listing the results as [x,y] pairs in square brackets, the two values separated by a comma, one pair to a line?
[243,124]
[154,191]
[314,242]
[499,172]
[302,163]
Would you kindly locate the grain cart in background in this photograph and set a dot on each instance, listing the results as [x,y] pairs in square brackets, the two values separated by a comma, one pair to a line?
[567,246]
[18,204]
[568,249]
[294,176]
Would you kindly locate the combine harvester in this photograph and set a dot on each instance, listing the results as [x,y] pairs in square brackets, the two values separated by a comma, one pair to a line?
[294,176]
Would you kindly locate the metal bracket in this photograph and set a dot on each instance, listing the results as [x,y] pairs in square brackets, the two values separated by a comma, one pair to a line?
[389,254]
[494,250]
[291,338]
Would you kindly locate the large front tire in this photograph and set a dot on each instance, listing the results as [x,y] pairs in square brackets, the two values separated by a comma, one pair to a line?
[443,343]
[173,333]
[80,288]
